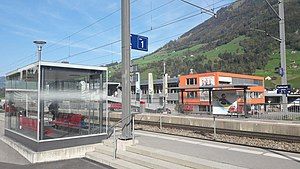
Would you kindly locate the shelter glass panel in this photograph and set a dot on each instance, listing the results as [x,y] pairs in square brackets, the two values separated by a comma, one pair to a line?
[72,102]
[21,100]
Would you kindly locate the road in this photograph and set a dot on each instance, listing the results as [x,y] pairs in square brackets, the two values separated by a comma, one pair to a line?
[237,155]
[11,159]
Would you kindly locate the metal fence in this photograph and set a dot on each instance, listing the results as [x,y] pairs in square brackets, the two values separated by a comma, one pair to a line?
[274,111]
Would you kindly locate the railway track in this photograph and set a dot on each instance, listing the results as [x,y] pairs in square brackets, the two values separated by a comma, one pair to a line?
[253,139]
[200,130]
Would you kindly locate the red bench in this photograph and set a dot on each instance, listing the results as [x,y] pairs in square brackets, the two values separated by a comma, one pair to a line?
[115,106]
[31,124]
[68,120]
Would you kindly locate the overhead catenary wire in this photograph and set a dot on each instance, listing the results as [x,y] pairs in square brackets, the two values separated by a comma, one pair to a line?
[104,45]
[179,19]
[25,58]
[74,33]
[112,28]
[97,57]
[88,26]
[171,22]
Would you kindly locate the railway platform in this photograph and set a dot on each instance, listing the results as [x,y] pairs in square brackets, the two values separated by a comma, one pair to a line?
[235,155]
[154,150]
[288,128]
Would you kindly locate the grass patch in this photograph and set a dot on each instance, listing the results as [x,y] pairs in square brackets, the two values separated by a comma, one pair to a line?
[293,68]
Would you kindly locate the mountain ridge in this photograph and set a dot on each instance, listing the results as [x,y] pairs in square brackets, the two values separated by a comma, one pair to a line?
[229,43]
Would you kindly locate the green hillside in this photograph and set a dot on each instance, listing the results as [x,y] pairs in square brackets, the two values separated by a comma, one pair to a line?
[293,69]
[228,43]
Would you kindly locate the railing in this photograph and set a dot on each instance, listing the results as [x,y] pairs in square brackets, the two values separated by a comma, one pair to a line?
[112,129]
[274,111]
[18,84]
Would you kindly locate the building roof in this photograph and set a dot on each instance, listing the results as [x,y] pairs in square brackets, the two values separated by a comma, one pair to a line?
[213,87]
[57,64]
[226,74]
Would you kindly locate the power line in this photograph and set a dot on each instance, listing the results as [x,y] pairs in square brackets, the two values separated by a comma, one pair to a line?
[67,37]
[110,55]
[113,27]
[187,16]
[25,58]
[178,20]
[120,40]
[98,20]
[202,9]
[86,51]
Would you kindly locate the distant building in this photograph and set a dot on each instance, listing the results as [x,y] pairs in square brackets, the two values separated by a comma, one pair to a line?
[223,91]
[172,97]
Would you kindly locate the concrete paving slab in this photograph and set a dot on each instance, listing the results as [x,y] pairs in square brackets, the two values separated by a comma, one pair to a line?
[243,156]
[8,156]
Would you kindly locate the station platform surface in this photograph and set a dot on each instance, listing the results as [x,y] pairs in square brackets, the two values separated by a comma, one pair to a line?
[9,158]
[242,156]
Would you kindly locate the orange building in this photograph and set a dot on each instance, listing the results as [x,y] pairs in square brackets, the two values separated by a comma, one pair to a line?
[222,85]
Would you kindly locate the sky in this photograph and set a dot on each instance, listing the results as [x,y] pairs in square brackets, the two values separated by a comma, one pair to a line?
[73,28]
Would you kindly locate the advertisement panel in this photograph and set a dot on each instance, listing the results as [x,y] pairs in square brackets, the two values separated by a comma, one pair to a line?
[206,81]
[224,102]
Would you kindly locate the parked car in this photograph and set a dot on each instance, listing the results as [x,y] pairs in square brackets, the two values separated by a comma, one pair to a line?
[161,110]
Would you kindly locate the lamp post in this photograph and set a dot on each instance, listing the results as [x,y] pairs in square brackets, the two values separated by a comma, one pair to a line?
[39,45]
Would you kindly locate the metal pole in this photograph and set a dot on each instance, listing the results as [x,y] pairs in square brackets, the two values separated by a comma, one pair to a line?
[215,128]
[39,93]
[133,125]
[126,93]
[164,81]
[245,102]
[164,97]
[209,97]
[39,54]
[115,144]
[282,52]
[160,121]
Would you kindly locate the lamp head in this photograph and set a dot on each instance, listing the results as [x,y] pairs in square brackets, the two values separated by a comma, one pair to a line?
[39,42]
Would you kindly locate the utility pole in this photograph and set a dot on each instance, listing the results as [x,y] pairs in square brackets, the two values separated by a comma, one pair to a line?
[281,39]
[282,52]
[126,93]
[164,88]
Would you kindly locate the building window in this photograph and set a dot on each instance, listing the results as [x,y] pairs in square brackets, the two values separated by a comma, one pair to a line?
[258,82]
[191,95]
[191,81]
[254,95]
[203,108]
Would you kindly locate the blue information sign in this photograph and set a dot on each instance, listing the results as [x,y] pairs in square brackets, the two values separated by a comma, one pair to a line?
[283,89]
[139,42]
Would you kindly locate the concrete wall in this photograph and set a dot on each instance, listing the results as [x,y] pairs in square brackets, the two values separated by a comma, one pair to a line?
[50,155]
[271,127]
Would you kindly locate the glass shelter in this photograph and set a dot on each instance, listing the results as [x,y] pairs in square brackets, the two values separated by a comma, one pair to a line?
[48,102]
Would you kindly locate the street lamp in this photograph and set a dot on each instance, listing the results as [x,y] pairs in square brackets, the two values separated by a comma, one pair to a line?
[39,45]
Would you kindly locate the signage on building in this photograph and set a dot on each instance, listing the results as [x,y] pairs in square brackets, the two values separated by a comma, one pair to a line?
[283,89]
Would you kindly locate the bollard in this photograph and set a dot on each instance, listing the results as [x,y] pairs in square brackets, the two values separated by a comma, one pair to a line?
[142,106]
[115,144]
[215,130]
[160,121]
[133,135]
